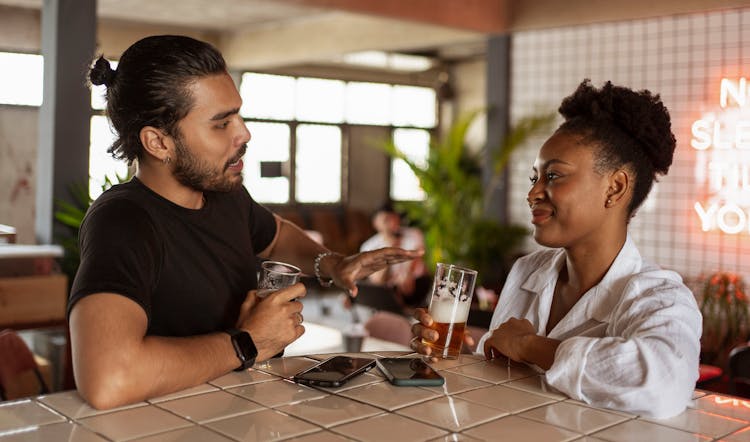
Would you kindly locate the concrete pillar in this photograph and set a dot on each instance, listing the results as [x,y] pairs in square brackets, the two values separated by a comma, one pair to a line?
[68,44]
[498,117]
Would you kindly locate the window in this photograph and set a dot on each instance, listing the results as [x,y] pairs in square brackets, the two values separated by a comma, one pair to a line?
[318,164]
[101,163]
[413,106]
[320,100]
[98,99]
[298,129]
[415,145]
[270,143]
[21,83]
[21,79]
[384,60]
[297,125]
[267,96]
[368,103]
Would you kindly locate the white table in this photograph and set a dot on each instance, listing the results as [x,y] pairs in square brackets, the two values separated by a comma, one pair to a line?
[324,339]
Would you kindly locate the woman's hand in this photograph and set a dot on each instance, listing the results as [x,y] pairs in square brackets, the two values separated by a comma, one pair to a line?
[507,340]
[517,339]
[422,332]
[350,269]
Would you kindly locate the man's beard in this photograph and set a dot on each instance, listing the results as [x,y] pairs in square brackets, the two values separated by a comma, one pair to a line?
[195,173]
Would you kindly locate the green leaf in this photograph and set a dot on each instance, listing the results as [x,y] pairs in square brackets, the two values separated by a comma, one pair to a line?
[69,220]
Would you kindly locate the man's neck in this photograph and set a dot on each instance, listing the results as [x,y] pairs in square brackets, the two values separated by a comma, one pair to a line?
[159,179]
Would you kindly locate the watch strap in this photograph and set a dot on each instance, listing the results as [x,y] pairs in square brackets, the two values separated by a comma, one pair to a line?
[244,347]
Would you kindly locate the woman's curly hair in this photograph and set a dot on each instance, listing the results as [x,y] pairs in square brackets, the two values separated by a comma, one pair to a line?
[631,129]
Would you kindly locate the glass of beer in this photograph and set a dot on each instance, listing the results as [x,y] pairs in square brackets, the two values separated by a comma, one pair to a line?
[452,290]
[275,275]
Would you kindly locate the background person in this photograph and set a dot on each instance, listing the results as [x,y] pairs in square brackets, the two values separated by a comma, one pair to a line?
[409,280]
[164,298]
[605,326]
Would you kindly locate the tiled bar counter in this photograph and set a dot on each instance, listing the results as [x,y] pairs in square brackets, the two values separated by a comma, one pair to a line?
[481,400]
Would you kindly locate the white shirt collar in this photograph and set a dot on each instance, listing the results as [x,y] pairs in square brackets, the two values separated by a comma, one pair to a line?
[596,303]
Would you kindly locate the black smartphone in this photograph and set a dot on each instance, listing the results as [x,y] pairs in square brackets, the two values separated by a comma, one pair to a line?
[409,372]
[334,371]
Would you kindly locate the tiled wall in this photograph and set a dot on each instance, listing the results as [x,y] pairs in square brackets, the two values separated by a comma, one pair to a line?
[681,57]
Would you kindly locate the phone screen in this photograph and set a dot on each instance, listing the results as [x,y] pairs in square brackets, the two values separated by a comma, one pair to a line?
[334,371]
[409,371]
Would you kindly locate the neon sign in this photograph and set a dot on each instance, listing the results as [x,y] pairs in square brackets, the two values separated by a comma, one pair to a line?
[731,401]
[722,142]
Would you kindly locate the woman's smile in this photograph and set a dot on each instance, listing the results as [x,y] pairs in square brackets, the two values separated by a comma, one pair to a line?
[539,216]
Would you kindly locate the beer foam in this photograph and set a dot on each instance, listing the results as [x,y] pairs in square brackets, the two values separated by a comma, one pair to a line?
[442,310]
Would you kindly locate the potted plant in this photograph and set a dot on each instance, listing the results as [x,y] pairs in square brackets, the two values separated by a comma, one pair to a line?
[452,216]
[724,306]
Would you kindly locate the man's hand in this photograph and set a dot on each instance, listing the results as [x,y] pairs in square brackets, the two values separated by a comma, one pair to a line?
[350,269]
[275,321]
[422,332]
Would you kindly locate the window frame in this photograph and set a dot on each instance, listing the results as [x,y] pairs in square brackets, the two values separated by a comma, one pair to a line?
[41,86]
[345,141]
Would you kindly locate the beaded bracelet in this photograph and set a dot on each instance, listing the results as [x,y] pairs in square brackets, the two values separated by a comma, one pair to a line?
[317,269]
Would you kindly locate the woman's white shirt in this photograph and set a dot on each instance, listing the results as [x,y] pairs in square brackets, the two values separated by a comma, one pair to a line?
[631,343]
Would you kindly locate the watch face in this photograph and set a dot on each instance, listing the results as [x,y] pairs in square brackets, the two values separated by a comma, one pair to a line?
[244,347]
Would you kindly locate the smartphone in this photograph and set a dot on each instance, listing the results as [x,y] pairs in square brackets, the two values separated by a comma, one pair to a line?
[334,371]
[409,372]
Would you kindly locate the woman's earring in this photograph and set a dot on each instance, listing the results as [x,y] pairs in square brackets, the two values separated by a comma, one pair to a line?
[167,160]
[609,202]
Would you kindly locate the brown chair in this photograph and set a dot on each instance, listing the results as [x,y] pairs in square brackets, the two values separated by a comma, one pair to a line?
[378,297]
[739,371]
[389,327]
[19,372]
[294,217]
[327,222]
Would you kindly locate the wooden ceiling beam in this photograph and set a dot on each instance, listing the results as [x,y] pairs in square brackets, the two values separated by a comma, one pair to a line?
[487,16]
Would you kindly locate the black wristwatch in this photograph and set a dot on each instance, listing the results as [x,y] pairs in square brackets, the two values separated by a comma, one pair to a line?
[244,347]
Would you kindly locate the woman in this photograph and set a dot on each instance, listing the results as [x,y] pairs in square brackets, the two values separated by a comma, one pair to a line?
[607,327]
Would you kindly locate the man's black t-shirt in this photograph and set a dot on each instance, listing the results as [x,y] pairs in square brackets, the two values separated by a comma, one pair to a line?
[190,270]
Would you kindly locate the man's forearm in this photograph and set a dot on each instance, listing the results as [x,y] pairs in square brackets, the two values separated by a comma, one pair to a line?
[154,367]
[295,246]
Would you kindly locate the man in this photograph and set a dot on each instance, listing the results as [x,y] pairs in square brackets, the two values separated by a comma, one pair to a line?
[164,297]
[409,280]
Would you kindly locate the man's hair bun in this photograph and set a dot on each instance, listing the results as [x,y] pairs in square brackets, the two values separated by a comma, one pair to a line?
[102,72]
